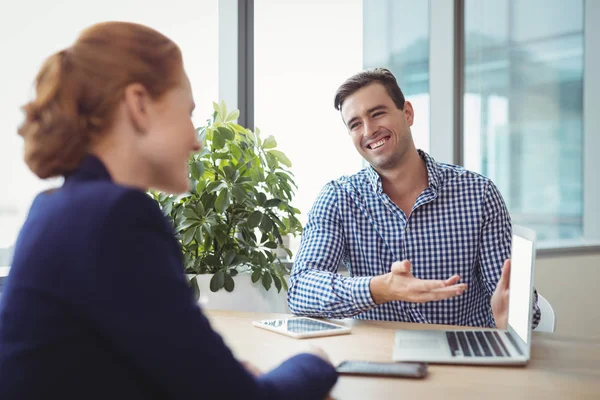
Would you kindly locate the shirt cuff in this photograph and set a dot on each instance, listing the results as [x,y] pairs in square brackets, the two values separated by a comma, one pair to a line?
[361,293]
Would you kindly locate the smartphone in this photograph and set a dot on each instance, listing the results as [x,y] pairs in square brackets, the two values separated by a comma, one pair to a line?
[415,370]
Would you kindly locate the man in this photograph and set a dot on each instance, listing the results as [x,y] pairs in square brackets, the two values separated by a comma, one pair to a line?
[440,220]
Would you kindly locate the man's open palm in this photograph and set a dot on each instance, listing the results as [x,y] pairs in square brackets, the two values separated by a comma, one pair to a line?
[404,286]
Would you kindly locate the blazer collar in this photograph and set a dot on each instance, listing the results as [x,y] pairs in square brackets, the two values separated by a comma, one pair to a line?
[90,168]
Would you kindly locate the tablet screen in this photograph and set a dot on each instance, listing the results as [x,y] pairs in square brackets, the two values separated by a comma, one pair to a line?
[301,325]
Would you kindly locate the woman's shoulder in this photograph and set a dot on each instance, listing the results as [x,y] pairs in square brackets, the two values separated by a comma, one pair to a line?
[109,201]
[86,207]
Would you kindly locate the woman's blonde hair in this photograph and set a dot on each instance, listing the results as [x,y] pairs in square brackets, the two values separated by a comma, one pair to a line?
[78,90]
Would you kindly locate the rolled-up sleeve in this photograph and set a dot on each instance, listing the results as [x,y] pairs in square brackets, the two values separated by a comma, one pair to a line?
[316,288]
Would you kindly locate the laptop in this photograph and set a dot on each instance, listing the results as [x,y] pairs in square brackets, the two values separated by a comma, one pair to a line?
[483,346]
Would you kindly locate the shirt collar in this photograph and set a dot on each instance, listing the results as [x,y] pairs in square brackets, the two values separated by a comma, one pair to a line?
[433,174]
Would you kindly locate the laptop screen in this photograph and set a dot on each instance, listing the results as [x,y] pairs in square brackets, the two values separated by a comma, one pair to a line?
[520,286]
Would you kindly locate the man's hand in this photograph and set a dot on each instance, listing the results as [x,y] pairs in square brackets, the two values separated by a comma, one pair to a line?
[400,284]
[500,298]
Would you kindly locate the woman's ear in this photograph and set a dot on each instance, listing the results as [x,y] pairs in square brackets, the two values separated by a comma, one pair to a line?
[137,106]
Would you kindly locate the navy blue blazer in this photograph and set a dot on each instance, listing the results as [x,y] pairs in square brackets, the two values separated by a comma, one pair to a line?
[96,306]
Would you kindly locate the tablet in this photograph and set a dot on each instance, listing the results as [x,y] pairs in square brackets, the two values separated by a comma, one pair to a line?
[302,327]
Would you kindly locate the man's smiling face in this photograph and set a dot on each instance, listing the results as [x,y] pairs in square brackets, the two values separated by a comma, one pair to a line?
[379,130]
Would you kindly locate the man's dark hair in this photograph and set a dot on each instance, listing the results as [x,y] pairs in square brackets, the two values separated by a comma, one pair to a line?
[366,77]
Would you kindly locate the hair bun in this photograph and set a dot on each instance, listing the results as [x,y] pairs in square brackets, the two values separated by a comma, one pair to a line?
[53,143]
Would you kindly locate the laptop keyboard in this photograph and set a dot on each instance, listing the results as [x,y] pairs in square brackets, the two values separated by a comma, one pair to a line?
[476,344]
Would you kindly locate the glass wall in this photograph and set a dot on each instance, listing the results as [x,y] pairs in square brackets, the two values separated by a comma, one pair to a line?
[396,37]
[523,108]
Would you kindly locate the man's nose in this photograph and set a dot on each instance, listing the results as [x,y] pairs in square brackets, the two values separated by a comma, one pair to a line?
[370,129]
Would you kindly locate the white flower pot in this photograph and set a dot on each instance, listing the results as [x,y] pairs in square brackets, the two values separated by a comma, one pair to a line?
[246,296]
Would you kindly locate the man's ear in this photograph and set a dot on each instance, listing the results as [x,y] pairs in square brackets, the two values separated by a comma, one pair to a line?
[137,106]
[409,113]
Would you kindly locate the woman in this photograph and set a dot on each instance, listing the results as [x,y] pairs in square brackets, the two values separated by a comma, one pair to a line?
[96,304]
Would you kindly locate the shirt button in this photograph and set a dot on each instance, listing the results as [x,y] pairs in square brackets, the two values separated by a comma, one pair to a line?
[413,305]
[407,229]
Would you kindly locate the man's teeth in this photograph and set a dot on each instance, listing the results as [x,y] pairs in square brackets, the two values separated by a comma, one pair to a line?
[378,144]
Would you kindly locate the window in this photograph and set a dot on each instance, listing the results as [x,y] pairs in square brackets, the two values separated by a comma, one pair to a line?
[523,121]
[302,52]
[398,40]
[55,25]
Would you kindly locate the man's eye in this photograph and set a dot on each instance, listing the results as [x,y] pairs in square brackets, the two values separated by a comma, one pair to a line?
[377,114]
[354,125]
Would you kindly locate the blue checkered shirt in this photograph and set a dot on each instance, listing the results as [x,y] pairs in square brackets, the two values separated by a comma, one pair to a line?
[458,225]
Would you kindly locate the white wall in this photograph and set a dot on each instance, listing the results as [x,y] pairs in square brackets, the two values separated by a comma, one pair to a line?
[570,283]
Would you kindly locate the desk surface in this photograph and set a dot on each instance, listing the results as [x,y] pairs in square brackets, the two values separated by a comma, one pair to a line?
[560,368]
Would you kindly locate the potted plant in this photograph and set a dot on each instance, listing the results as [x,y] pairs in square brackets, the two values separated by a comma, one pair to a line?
[237,212]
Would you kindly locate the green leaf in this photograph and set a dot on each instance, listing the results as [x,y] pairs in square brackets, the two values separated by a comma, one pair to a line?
[197,169]
[162,197]
[269,142]
[190,213]
[277,283]
[204,150]
[229,283]
[239,259]
[216,107]
[220,156]
[272,162]
[272,203]
[226,133]
[188,223]
[261,198]
[238,193]
[281,157]
[200,209]
[266,281]
[214,186]
[254,219]
[223,110]
[262,259]
[228,259]
[218,141]
[217,281]
[235,150]
[255,276]
[228,172]
[188,236]
[235,114]
[207,227]
[264,237]
[198,235]
[212,260]
[266,224]
[195,288]
[271,245]
[223,201]
[200,186]
[209,200]
[221,236]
